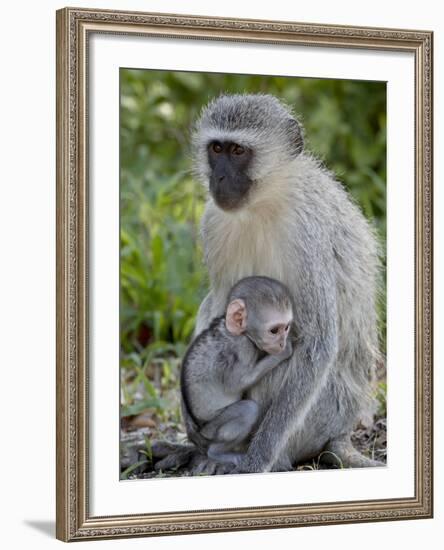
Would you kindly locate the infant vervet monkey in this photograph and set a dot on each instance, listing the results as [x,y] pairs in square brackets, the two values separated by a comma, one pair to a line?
[230,357]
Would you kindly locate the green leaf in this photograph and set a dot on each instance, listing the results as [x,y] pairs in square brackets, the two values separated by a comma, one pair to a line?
[130,469]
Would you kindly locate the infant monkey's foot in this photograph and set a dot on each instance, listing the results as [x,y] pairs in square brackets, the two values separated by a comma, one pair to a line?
[210,467]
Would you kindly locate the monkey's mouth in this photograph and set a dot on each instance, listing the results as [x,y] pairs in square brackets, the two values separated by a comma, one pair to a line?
[270,350]
[230,204]
[230,196]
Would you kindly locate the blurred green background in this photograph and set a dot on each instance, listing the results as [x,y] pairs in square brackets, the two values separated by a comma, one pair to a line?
[163,279]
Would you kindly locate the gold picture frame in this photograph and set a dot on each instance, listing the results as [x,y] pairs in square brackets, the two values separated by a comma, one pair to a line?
[74,26]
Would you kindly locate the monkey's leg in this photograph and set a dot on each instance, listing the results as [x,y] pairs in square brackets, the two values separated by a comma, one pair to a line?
[220,452]
[230,428]
[340,451]
[282,464]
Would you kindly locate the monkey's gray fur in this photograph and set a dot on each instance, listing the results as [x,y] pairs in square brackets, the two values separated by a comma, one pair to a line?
[299,226]
[220,366]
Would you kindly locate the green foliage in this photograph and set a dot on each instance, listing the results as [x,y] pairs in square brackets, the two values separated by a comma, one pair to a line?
[162,276]
[125,474]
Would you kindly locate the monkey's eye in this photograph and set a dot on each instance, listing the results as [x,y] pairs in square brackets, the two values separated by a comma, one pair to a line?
[287,327]
[274,330]
[216,147]
[238,150]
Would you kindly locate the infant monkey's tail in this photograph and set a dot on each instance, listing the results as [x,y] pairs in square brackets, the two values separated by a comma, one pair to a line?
[171,456]
[340,451]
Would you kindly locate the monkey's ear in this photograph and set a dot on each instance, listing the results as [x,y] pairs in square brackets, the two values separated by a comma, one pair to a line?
[236,317]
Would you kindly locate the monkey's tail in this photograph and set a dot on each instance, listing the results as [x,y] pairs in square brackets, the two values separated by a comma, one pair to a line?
[340,451]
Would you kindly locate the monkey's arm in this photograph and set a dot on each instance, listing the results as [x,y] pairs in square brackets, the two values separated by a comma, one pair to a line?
[314,353]
[204,315]
[244,376]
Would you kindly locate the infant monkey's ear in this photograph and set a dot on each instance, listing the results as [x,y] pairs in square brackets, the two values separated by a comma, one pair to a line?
[236,317]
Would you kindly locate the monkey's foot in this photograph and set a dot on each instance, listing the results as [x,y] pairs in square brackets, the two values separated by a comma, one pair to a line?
[341,452]
[206,466]
[171,456]
[249,465]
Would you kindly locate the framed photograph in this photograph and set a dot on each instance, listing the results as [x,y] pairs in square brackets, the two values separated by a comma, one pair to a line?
[244,274]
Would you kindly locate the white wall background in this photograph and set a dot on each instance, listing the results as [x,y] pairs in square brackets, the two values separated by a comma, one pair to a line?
[27,297]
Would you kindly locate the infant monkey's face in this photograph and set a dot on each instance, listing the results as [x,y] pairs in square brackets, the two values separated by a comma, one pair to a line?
[271,333]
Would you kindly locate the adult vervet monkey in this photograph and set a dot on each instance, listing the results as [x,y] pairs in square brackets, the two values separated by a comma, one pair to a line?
[272,210]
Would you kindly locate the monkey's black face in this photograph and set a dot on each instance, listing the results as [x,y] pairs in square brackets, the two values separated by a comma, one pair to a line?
[229,182]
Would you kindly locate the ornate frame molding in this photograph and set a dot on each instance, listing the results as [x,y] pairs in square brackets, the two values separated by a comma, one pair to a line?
[73,519]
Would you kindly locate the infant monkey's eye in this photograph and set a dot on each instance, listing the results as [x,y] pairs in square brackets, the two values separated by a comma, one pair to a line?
[287,327]
[216,147]
[274,330]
